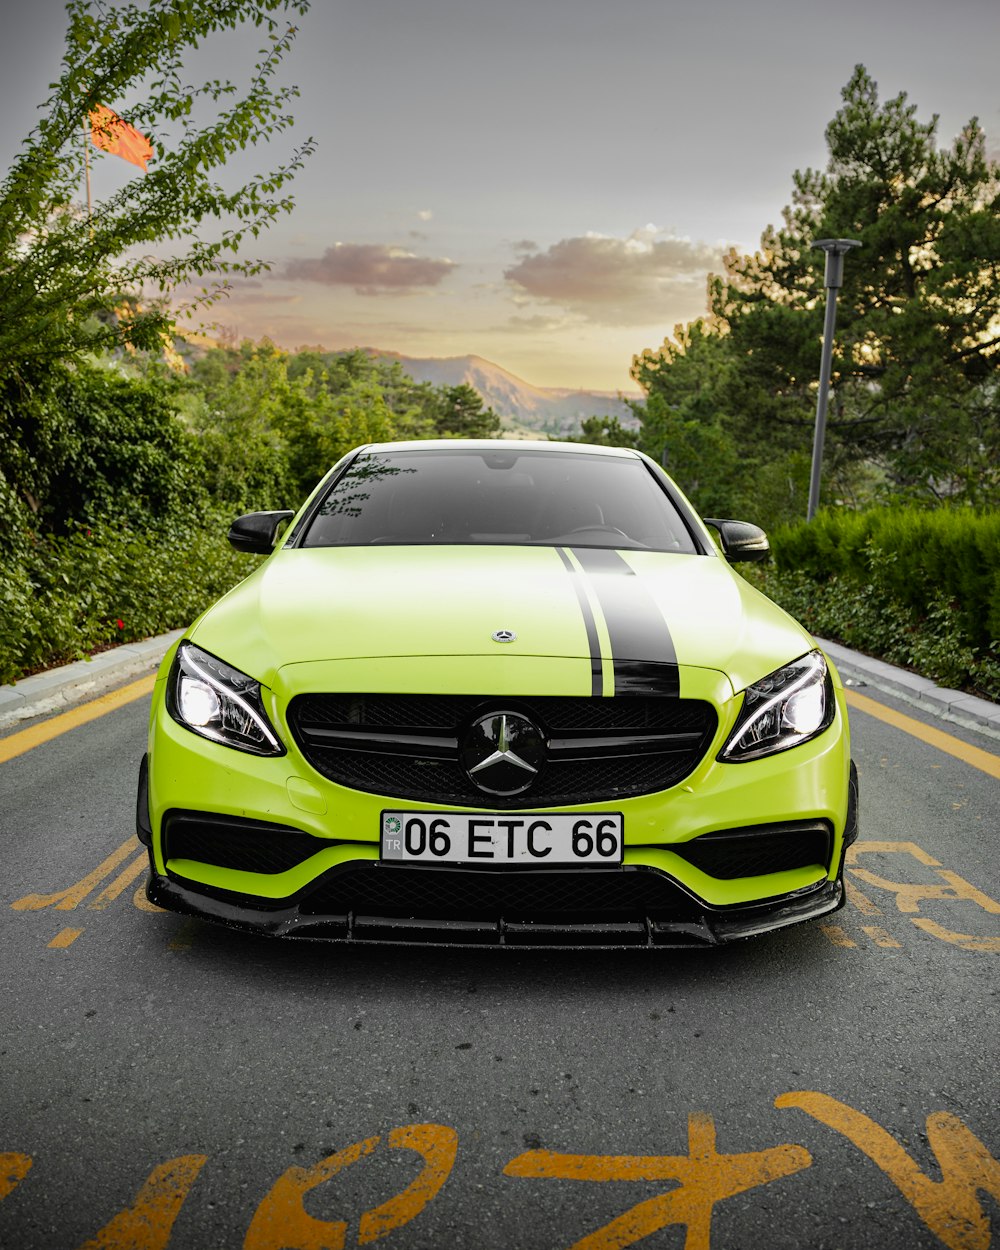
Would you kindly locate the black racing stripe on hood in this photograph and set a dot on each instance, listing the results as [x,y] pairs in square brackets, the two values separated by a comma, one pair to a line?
[593,645]
[642,649]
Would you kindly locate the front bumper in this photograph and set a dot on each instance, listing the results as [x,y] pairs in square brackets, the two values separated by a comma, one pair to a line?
[692,902]
[678,920]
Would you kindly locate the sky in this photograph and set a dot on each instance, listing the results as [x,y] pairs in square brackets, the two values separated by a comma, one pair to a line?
[544,183]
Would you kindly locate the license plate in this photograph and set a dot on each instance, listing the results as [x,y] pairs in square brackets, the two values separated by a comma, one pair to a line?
[514,838]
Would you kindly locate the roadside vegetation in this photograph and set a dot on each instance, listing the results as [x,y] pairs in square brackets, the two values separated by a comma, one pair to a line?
[126,447]
[902,562]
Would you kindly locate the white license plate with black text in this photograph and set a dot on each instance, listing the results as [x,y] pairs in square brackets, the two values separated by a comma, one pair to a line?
[502,838]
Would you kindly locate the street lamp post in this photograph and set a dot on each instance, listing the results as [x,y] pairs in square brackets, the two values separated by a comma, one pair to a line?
[833,280]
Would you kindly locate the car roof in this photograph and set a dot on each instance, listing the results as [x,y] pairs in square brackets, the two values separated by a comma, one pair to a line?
[500,444]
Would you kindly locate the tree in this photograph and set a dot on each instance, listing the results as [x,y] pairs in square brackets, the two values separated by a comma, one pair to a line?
[916,401]
[605,432]
[73,283]
[459,412]
[69,280]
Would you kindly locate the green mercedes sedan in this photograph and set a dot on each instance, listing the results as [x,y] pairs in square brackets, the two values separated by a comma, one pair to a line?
[498,693]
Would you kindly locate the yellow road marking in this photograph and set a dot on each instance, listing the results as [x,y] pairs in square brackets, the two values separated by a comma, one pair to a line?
[950,1206]
[66,900]
[985,761]
[27,739]
[706,1178]
[880,937]
[281,1219]
[861,901]
[836,935]
[148,1222]
[66,938]
[14,1168]
[120,883]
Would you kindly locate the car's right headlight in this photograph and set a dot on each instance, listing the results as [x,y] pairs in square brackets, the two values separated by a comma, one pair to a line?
[217,701]
[786,708]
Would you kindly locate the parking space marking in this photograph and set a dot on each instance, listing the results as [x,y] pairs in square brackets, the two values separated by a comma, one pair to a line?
[149,1221]
[66,938]
[27,739]
[120,883]
[14,1168]
[68,899]
[880,937]
[911,897]
[861,901]
[706,1177]
[950,1207]
[967,941]
[985,761]
[281,1220]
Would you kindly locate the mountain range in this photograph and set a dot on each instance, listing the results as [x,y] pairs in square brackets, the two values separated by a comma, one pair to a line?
[519,404]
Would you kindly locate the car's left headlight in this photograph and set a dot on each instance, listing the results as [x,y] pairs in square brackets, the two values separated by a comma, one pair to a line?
[219,702]
[788,707]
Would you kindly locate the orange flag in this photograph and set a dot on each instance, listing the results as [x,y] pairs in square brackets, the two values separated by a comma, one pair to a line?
[111,134]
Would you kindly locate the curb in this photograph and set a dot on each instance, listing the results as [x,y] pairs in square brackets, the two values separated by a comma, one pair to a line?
[957,706]
[73,683]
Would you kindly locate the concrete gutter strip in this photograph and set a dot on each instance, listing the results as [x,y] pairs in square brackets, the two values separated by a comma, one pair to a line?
[85,679]
[58,688]
[957,706]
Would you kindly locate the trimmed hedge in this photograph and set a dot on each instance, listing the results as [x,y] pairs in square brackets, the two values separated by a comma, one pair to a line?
[67,597]
[922,557]
[919,589]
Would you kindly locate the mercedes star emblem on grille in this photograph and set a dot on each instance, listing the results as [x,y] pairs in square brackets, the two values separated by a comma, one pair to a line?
[502,753]
[504,635]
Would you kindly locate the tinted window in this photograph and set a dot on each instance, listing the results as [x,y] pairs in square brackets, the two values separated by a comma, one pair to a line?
[500,496]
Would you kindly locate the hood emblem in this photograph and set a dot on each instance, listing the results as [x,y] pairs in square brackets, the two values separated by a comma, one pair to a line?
[502,753]
[504,635]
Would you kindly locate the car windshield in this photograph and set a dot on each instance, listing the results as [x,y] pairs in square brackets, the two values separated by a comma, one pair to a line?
[474,496]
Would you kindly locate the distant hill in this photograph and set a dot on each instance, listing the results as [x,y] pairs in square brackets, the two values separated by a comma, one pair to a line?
[547,410]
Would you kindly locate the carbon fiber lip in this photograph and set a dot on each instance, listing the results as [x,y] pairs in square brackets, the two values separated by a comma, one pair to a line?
[706,928]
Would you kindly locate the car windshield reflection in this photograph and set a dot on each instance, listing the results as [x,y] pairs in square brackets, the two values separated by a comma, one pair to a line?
[466,496]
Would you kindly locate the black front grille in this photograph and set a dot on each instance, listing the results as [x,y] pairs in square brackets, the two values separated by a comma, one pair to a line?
[554,897]
[756,850]
[408,746]
[230,842]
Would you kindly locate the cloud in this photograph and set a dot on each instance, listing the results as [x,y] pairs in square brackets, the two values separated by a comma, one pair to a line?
[647,277]
[538,324]
[370,268]
[425,214]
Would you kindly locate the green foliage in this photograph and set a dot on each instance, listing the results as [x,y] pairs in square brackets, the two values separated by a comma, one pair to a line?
[916,588]
[949,552]
[78,442]
[606,432]
[65,597]
[68,281]
[271,423]
[915,411]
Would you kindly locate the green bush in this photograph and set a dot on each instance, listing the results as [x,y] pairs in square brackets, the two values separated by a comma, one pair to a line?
[71,595]
[946,556]
[912,588]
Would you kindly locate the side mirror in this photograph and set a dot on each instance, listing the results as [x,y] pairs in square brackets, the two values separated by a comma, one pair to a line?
[740,540]
[257,532]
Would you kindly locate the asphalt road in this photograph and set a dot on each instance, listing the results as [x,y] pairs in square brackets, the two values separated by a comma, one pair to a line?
[167,1083]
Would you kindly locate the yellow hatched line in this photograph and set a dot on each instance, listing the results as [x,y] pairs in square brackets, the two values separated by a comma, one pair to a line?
[26,739]
[985,761]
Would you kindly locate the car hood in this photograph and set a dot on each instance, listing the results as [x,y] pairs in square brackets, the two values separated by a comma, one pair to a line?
[596,607]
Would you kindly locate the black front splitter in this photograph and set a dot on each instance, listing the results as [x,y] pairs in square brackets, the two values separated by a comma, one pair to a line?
[704,928]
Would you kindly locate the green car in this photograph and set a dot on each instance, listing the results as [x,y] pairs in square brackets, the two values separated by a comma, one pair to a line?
[498,693]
